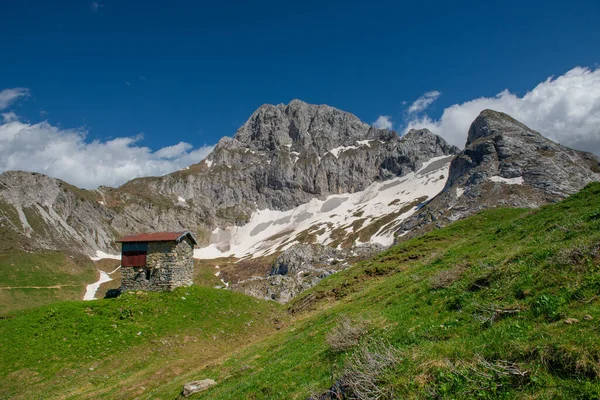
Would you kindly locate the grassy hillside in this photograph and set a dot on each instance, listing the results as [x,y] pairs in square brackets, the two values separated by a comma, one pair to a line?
[125,347]
[503,304]
[483,308]
[33,279]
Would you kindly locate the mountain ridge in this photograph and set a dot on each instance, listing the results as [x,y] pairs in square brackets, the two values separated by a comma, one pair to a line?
[302,174]
[228,186]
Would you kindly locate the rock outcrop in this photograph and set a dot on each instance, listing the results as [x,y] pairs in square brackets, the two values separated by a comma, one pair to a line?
[197,386]
[302,267]
[504,163]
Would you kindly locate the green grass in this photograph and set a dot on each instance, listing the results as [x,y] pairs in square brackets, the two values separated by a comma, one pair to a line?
[542,263]
[91,349]
[460,304]
[34,279]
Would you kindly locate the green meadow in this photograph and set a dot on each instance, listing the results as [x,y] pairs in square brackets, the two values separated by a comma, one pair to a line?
[504,304]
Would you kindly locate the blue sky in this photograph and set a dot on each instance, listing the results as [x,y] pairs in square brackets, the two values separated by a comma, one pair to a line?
[193,71]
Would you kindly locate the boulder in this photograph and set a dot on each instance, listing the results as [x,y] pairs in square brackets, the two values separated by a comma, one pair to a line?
[197,386]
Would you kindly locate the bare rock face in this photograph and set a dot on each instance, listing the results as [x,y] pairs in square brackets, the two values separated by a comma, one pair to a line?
[304,257]
[504,163]
[37,211]
[286,155]
[301,267]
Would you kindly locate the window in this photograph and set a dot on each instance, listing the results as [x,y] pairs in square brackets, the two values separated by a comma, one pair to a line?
[134,254]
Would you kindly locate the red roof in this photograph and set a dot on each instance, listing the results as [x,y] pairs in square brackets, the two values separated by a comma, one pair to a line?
[158,237]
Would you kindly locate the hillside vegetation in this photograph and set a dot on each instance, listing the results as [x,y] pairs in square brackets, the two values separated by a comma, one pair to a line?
[34,279]
[503,304]
[125,347]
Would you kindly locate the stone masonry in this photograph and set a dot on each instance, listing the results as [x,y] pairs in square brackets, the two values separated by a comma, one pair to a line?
[168,265]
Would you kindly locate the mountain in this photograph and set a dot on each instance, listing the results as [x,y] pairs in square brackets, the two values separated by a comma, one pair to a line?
[282,157]
[296,181]
[504,163]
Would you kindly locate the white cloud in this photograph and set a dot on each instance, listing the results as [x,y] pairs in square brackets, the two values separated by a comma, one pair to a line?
[9,96]
[383,122]
[65,154]
[423,102]
[565,109]
[96,6]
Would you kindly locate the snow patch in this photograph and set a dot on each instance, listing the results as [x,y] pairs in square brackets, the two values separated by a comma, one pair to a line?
[269,231]
[509,181]
[91,289]
[101,255]
[295,156]
[459,191]
[208,163]
[365,142]
[209,252]
[341,149]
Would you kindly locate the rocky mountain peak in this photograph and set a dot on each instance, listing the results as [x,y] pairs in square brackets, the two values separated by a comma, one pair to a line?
[490,122]
[505,163]
[300,125]
[423,141]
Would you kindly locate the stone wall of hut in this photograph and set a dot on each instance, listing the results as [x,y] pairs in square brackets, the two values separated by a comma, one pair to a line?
[168,265]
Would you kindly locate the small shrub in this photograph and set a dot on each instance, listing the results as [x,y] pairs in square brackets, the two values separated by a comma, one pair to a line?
[365,374]
[579,257]
[479,378]
[345,335]
[445,279]
[366,369]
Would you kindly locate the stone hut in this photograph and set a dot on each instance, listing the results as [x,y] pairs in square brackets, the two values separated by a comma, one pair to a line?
[160,261]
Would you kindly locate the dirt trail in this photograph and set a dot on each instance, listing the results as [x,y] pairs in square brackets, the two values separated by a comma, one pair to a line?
[36,287]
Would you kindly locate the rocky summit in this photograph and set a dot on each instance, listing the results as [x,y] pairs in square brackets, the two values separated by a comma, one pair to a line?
[300,175]
[504,163]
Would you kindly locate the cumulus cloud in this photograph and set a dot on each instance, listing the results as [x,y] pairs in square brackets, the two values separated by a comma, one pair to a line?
[423,102]
[65,154]
[9,96]
[383,122]
[565,109]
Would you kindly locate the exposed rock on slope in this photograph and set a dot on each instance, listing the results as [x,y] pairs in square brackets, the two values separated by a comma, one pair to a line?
[302,267]
[41,212]
[505,163]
